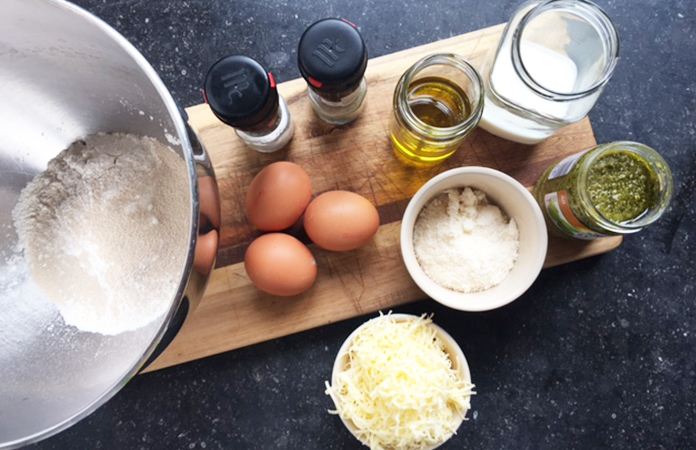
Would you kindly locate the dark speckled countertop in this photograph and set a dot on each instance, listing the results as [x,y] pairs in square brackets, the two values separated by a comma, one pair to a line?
[599,353]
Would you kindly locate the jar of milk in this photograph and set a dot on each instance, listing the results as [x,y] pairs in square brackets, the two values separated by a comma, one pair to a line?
[552,62]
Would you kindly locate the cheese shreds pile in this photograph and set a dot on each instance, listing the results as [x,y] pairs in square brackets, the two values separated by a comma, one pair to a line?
[399,387]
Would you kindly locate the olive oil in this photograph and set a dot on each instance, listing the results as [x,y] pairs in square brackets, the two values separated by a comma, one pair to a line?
[438,102]
[438,105]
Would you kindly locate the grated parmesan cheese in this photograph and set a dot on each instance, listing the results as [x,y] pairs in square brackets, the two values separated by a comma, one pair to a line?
[464,243]
[399,388]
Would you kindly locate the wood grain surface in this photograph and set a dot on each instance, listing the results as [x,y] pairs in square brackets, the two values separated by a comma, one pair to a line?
[357,157]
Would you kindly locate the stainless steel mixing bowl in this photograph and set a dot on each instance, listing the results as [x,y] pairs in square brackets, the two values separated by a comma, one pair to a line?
[65,74]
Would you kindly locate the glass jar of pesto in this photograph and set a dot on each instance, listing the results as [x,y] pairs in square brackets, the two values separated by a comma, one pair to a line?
[611,189]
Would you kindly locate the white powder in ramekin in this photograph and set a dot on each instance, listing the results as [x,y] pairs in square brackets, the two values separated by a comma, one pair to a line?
[464,243]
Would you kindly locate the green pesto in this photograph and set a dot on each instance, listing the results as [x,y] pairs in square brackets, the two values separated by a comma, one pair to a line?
[615,188]
[621,186]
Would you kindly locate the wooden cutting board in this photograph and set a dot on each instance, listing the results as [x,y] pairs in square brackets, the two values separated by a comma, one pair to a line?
[357,157]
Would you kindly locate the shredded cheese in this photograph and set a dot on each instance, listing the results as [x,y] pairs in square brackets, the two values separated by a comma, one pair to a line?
[399,388]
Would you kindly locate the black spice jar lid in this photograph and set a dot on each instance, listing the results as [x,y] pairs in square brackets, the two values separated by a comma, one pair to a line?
[240,92]
[332,55]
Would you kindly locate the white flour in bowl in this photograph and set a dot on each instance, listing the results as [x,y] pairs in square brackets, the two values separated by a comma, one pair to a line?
[105,230]
[464,243]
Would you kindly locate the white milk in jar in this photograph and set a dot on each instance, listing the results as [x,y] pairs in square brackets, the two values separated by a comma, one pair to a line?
[552,62]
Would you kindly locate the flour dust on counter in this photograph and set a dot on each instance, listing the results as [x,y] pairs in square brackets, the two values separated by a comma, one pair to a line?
[104,231]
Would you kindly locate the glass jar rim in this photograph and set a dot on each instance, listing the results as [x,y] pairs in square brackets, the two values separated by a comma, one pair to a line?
[453,60]
[604,21]
[653,159]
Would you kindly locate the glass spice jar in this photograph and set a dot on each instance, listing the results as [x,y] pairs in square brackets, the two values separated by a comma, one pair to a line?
[611,189]
[332,58]
[437,103]
[242,94]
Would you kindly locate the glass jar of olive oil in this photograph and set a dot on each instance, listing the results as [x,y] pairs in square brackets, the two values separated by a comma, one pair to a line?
[437,103]
[611,189]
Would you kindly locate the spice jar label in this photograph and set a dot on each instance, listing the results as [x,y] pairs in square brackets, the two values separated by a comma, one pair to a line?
[561,214]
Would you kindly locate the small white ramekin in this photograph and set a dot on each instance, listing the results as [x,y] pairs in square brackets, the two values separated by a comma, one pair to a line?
[451,348]
[516,201]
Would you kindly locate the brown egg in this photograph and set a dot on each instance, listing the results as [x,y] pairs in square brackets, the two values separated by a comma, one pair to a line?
[277,196]
[341,221]
[205,253]
[279,264]
[209,202]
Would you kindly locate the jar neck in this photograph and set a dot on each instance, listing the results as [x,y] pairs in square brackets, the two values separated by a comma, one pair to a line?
[266,126]
[583,11]
[663,187]
[343,96]
[405,115]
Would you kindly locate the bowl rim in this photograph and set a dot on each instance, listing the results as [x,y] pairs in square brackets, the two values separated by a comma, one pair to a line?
[450,343]
[459,300]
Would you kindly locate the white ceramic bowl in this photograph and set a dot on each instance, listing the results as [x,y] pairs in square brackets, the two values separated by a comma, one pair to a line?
[516,201]
[451,347]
